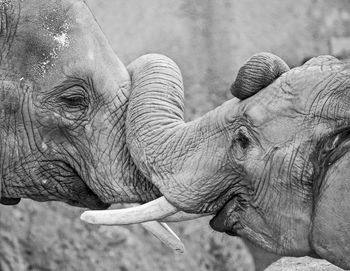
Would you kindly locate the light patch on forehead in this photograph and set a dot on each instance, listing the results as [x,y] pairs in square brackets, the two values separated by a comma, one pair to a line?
[61,41]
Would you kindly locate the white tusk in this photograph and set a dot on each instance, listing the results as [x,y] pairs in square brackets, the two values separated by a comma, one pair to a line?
[182,216]
[154,210]
[166,235]
[166,226]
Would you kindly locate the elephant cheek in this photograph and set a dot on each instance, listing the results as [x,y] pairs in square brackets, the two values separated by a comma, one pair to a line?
[330,233]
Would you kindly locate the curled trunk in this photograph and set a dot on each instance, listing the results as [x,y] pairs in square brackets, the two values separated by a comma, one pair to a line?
[193,164]
[171,153]
[259,71]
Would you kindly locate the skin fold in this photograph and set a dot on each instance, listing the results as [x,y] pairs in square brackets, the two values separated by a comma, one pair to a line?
[63,104]
[273,165]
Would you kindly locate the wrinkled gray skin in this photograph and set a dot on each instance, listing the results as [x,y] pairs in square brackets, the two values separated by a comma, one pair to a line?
[273,165]
[63,99]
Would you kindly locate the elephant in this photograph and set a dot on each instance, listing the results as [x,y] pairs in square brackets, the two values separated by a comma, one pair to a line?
[63,98]
[64,94]
[271,164]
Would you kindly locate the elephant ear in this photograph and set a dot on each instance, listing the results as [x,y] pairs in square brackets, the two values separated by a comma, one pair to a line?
[257,73]
[330,236]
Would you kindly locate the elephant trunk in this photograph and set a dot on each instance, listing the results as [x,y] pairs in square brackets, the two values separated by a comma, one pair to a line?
[163,146]
[259,72]
[155,110]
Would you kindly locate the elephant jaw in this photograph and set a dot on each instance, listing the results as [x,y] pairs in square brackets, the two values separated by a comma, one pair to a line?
[70,185]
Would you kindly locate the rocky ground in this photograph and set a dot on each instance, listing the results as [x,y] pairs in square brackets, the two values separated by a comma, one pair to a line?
[302,264]
[50,236]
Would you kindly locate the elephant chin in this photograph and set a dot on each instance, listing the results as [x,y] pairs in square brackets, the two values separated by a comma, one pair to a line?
[9,201]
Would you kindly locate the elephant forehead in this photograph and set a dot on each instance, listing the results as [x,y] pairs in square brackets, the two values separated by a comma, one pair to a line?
[42,30]
[300,98]
[314,91]
[330,99]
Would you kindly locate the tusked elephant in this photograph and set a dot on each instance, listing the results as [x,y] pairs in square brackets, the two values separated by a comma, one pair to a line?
[63,103]
[272,163]
[63,100]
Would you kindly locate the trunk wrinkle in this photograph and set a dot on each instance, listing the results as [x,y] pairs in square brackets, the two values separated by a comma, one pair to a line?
[174,155]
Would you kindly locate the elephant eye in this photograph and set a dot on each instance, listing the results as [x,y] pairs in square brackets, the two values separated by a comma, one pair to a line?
[242,140]
[71,98]
[74,100]
[241,143]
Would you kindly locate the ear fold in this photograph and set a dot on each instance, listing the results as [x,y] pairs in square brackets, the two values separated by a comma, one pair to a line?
[330,236]
[257,73]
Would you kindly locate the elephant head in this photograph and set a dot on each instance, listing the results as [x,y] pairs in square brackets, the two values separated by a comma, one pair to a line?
[63,102]
[273,165]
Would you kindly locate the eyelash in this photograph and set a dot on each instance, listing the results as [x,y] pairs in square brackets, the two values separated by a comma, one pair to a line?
[74,100]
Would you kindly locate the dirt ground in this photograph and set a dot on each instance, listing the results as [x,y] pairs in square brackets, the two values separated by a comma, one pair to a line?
[209,40]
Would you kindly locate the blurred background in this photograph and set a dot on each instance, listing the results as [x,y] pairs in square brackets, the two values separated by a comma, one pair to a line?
[209,40]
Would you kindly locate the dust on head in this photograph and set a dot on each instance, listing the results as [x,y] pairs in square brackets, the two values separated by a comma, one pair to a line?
[43,34]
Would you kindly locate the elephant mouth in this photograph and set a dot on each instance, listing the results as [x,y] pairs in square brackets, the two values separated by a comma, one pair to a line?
[227,219]
[79,193]
[88,199]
